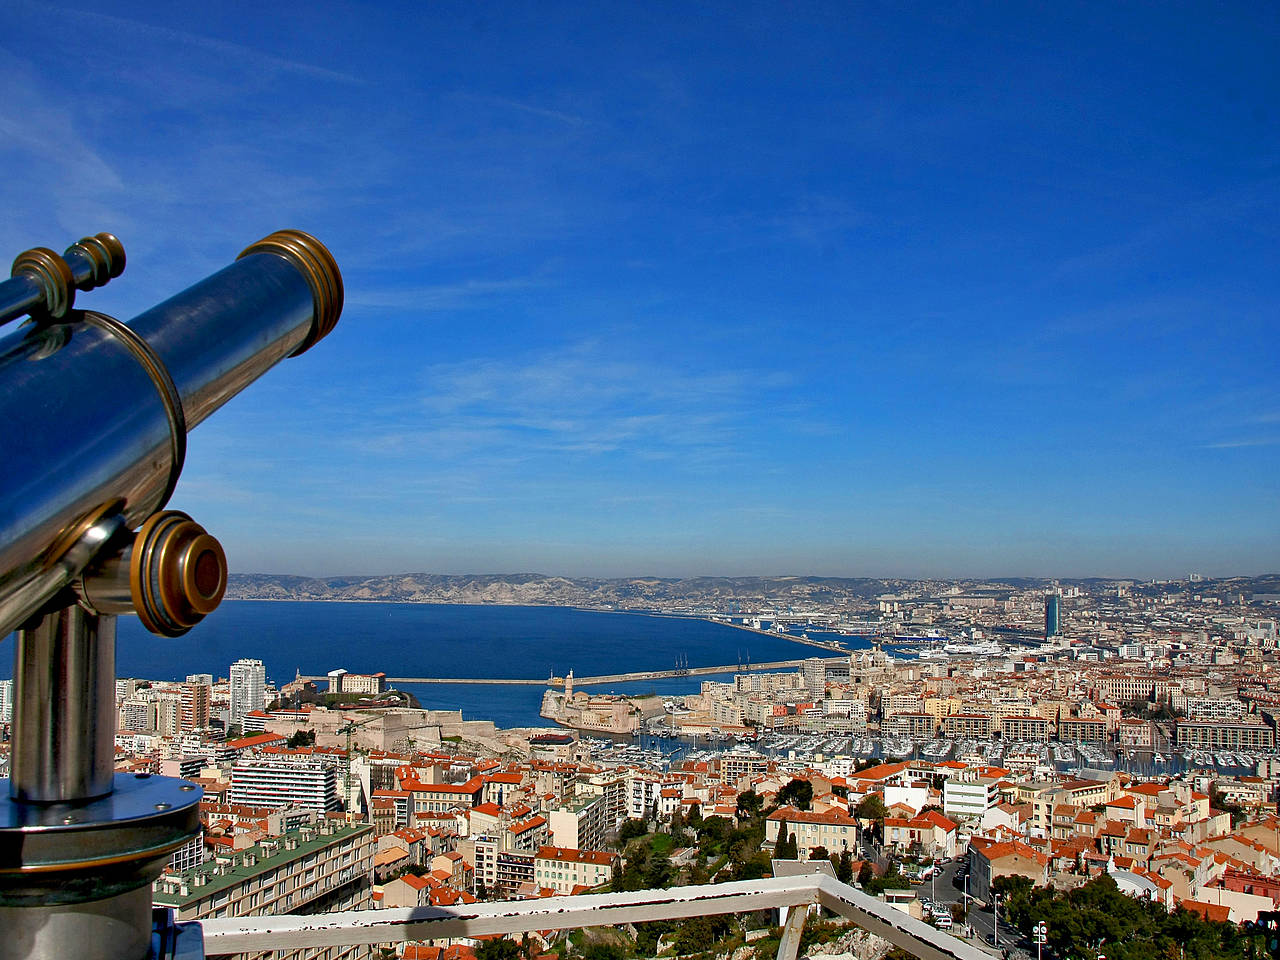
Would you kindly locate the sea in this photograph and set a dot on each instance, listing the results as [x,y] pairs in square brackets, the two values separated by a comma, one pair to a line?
[451,640]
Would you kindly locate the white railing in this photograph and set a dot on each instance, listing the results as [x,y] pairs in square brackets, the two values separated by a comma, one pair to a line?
[257,934]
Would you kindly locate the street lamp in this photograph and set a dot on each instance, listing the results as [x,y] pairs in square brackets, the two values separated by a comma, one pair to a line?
[1040,933]
[995,924]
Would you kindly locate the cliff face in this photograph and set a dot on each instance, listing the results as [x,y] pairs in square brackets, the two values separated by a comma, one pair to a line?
[533,589]
[647,593]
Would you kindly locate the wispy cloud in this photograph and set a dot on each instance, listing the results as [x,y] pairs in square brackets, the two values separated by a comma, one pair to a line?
[228,53]
[1234,444]
[448,296]
[560,116]
[582,400]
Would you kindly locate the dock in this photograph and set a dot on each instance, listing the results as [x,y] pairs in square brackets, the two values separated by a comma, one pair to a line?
[639,675]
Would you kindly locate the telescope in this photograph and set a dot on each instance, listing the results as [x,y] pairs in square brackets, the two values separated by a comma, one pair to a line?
[94,415]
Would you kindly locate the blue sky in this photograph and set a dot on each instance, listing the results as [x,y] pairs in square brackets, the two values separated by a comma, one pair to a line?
[850,289]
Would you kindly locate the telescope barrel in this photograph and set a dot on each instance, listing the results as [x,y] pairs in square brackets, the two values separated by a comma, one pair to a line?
[93,413]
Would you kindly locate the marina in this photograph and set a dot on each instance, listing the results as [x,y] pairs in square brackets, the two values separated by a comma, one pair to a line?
[837,755]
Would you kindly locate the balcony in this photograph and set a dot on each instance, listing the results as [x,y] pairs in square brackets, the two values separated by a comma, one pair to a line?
[285,933]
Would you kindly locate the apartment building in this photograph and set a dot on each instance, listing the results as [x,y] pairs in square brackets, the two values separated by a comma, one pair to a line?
[285,782]
[968,799]
[1224,735]
[917,726]
[311,870]
[1082,729]
[195,707]
[975,726]
[580,823]
[565,870]
[832,829]
[737,764]
[1025,728]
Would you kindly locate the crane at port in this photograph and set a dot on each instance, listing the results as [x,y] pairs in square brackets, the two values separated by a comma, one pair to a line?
[349,728]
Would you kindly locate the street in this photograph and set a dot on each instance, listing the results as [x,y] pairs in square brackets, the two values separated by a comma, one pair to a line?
[942,889]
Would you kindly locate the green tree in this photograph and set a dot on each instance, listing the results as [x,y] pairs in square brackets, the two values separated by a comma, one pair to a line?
[844,867]
[502,948]
[603,951]
[700,934]
[819,853]
[798,793]
[301,738]
[871,807]
[750,804]
[659,872]
[865,873]
[892,880]
[631,829]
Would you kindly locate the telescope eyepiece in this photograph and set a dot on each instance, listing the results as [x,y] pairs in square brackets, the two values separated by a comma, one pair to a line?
[171,573]
[177,573]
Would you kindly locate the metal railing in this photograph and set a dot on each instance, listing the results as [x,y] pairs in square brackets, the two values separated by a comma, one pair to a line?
[286,933]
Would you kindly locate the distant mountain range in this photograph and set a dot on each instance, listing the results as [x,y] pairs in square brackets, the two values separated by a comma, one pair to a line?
[648,592]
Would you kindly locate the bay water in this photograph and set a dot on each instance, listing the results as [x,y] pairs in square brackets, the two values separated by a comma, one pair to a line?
[449,640]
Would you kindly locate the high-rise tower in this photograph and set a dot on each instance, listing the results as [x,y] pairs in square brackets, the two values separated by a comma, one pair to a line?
[248,682]
[1052,615]
[195,707]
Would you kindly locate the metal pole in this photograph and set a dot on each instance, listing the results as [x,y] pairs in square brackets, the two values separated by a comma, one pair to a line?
[64,707]
[995,927]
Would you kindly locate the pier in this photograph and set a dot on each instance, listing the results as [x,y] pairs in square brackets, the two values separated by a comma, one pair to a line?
[600,680]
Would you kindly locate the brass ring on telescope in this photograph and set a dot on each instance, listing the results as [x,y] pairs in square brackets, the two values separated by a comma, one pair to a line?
[54,276]
[164,384]
[177,573]
[105,254]
[314,261]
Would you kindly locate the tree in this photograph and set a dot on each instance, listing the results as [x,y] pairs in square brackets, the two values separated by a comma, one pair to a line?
[499,949]
[750,804]
[865,873]
[871,807]
[301,738]
[798,793]
[780,844]
[819,853]
[603,951]
[892,880]
[698,934]
[631,829]
[659,872]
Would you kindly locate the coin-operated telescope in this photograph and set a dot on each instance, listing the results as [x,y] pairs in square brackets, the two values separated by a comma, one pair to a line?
[94,415]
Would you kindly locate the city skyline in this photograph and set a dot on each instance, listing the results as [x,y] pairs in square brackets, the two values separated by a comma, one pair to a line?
[845,291]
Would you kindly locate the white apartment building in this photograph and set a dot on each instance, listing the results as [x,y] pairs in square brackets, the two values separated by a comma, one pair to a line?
[284,783]
[580,824]
[737,764]
[168,714]
[138,715]
[6,701]
[968,799]
[248,688]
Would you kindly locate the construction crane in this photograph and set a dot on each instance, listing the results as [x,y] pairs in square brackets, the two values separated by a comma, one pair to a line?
[349,728]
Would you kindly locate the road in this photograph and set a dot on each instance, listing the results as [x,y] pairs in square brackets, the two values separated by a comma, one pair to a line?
[945,890]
